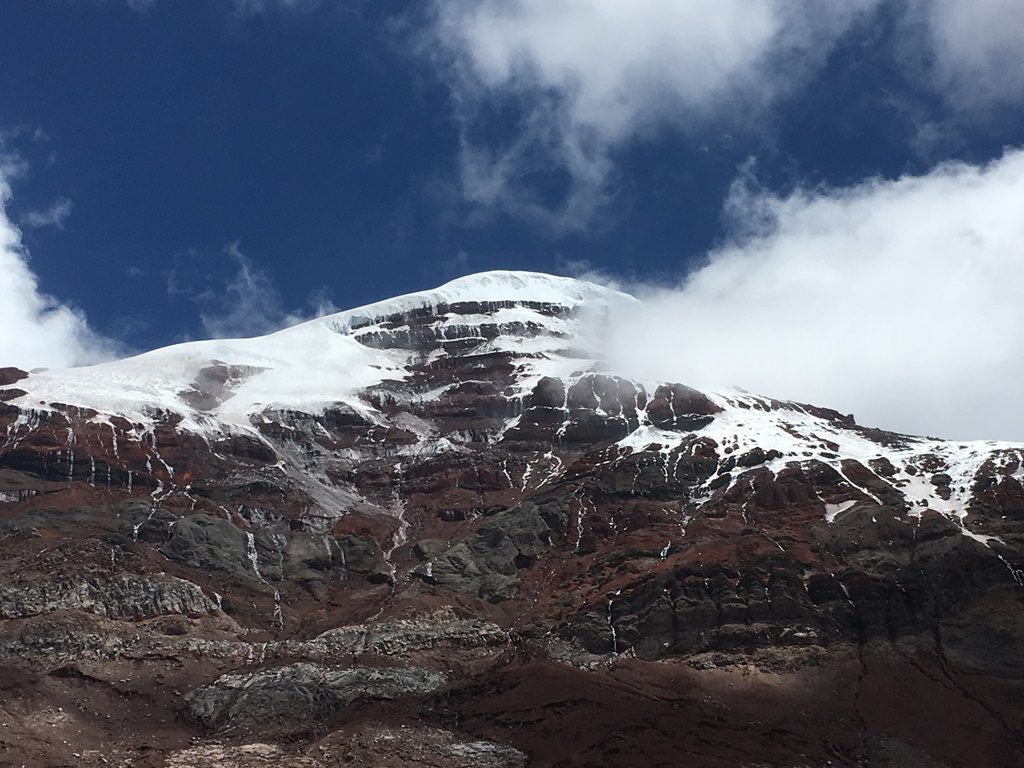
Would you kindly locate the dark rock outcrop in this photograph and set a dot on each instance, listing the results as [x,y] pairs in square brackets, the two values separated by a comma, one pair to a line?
[300,696]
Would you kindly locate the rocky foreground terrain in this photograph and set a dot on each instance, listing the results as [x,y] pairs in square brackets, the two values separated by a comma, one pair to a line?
[440,531]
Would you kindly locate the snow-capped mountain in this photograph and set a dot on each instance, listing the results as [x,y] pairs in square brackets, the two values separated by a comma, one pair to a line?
[453,491]
[218,386]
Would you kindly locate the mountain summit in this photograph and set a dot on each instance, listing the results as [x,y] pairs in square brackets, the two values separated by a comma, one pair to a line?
[441,530]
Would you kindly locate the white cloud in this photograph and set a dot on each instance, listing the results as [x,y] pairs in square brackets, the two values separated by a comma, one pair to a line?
[54,216]
[975,50]
[591,74]
[897,300]
[37,330]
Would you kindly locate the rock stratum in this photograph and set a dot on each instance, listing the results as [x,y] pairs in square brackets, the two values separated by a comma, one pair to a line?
[440,531]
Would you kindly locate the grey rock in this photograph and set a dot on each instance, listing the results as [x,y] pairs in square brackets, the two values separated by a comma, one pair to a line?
[440,629]
[486,563]
[307,557]
[298,695]
[209,543]
[124,597]
[357,555]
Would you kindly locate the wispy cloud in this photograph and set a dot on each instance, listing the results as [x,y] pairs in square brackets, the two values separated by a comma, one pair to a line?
[254,7]
[245,304]
[13,164]
[54,216]
[250,304]
[241,7]
[588,76]
[898,300]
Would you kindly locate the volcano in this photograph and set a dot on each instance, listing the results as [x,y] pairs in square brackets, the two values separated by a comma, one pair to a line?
[443,530]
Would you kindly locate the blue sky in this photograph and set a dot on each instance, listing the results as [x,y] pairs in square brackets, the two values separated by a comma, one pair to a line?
[223,167]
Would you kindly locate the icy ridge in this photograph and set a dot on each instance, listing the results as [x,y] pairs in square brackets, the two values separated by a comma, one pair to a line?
[309,366]
[494,286]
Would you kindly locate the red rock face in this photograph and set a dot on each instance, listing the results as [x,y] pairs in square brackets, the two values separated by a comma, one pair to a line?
[506,552]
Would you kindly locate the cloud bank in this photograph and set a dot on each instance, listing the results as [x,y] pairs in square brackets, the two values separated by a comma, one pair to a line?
[899,300]
[37,330]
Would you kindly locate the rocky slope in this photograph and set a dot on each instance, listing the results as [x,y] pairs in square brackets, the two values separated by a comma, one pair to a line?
[439,531]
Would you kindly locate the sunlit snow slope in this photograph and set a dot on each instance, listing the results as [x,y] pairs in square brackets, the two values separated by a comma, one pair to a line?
[318,362]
